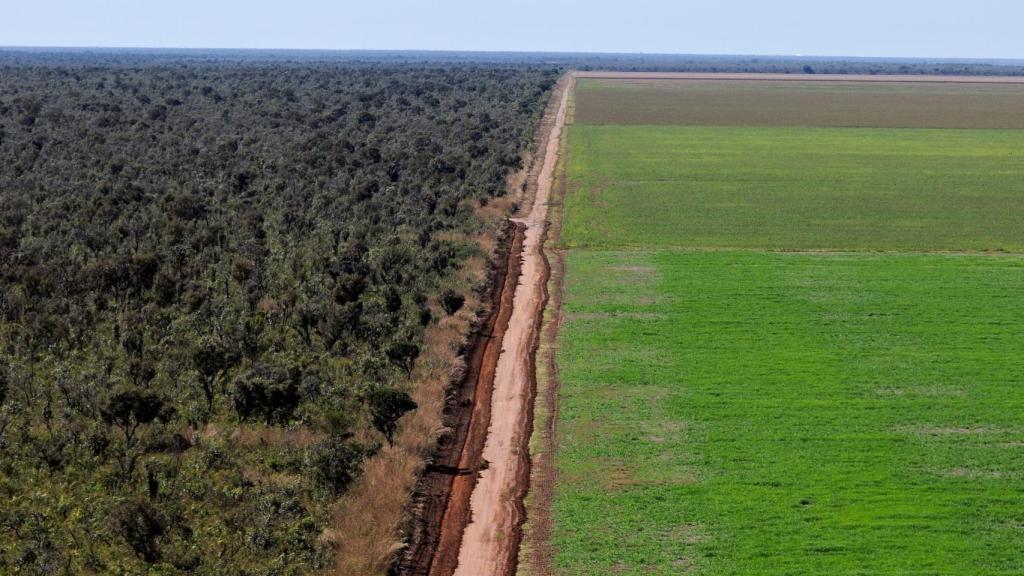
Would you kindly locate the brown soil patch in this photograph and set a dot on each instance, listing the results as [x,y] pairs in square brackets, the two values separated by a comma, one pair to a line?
[804,100]
[951,431]
[443,492]
[635,269]
[973,473]
[540,555]
[803,77]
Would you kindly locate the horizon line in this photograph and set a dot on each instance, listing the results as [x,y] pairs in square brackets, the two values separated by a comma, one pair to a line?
[803,56]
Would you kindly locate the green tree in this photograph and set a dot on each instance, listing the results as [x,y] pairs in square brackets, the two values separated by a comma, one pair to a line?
[335,461]
[211,359]
[128,409]
[403,354]
[387,406]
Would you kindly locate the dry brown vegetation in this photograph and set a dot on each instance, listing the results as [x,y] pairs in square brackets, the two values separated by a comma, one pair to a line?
[704,102]
[370,516]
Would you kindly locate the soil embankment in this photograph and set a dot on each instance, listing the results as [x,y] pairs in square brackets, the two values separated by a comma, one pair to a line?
[490,543]
[442,495]
[469,504]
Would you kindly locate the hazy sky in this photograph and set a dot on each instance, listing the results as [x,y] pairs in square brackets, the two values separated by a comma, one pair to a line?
[930,28]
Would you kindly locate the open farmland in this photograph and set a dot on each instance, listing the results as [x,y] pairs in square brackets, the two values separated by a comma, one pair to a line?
[796,188]
[778,102]
[790,348]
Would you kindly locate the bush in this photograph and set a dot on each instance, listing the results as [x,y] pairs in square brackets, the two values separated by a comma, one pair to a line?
[335,461]
[451,301]
[268,393]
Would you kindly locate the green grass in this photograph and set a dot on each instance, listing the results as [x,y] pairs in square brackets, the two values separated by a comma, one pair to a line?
[795,188]
[750,413]
[792,349]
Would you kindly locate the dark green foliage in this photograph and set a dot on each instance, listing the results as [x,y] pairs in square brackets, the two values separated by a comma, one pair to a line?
[452,301]
[271,394]
[201,263]
[403,355]
[139,523]
[129,408]
[334,461]
[387,406]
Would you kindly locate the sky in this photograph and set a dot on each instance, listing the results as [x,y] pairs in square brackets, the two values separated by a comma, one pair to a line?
[901,28]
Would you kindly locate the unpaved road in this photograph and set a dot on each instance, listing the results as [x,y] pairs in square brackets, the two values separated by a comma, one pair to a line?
[468,508]
[490,543]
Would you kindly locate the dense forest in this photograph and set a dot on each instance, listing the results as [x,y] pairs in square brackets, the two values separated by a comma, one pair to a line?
[214,279]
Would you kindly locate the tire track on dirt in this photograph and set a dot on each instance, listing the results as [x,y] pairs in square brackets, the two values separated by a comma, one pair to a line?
[469,503]
[490,543]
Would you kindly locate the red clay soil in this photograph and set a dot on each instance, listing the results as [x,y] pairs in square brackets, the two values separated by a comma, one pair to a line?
[490,543]
[441,500]
[468,508]
[541,556]
[802,77]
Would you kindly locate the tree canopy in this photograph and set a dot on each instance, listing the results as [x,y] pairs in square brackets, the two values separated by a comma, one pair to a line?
[203,267]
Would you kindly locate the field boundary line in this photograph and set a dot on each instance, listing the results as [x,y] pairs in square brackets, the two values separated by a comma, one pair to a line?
[537,554]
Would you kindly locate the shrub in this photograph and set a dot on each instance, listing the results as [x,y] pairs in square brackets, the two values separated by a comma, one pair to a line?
[452,301]
[335,461]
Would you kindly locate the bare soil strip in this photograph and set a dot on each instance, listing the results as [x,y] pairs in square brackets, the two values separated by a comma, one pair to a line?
[541,556]
[802,77]
[441,501]
[468,507]
[490,543]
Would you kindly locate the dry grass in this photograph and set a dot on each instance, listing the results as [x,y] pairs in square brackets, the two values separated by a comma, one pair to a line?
[368,518]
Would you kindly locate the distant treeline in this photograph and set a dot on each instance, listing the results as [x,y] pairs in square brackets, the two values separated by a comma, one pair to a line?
[578,61]
[214,280]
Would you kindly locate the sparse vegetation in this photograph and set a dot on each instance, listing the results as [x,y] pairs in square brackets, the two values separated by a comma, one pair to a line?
[794,103]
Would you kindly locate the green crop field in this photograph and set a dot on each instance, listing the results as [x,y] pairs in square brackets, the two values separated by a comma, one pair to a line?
[795,188]
[791,350]
[789,103]
[792,414]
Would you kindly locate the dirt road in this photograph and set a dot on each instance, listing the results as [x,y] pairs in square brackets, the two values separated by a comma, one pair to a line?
[468,507]
[490,542]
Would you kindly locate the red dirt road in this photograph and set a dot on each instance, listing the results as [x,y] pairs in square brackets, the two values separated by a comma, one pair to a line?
[468,508]
[490,543]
